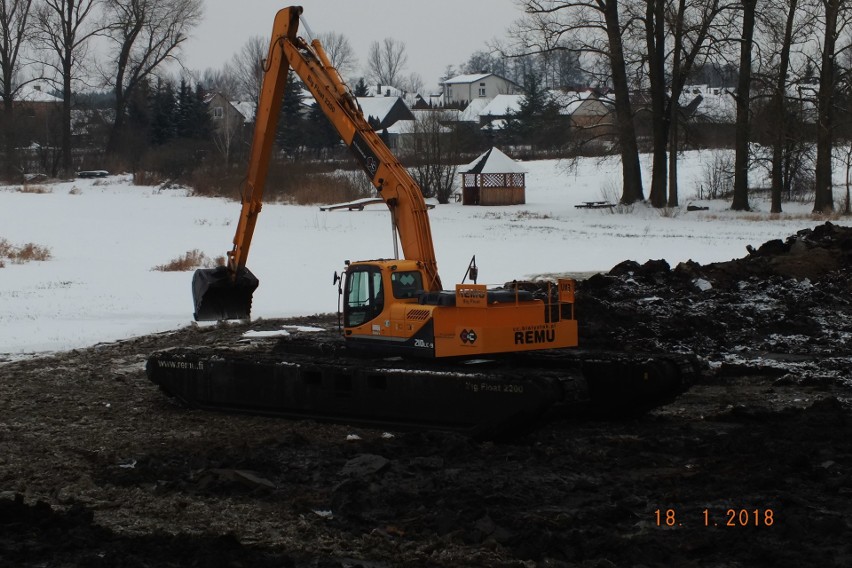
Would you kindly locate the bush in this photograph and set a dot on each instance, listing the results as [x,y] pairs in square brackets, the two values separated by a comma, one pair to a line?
[718,179]
[303,184]
[40,189]
[24,253]
[190,261]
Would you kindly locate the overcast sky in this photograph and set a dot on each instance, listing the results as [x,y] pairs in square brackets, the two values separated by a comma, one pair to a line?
[437,33]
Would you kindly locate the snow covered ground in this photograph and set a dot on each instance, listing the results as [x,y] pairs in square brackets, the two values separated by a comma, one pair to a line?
[107,235]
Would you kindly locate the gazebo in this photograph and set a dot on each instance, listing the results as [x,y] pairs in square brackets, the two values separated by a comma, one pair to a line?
[493,179]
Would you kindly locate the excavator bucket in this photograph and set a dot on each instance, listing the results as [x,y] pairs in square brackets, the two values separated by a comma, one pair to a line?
[219,294]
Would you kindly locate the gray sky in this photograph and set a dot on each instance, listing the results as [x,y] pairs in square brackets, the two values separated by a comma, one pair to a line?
[437,33]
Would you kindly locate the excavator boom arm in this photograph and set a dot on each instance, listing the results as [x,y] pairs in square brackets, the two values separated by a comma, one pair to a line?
[392,181]
[226,292]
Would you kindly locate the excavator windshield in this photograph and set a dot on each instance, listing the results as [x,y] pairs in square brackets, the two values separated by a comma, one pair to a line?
[364,295]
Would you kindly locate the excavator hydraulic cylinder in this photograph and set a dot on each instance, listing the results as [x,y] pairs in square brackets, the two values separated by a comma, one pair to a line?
[220,294]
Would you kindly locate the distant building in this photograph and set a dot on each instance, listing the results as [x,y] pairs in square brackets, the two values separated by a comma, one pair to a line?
[462,89]
[37,116]
[226,115]
[383,112]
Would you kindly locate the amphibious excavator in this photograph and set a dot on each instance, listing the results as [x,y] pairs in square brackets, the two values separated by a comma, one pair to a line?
[474,358]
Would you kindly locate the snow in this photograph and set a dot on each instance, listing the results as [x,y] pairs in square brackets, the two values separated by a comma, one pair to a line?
[503,105]
[106,236]
[377,107]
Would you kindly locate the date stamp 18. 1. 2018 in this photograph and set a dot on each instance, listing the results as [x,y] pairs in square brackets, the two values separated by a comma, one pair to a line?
[722,518]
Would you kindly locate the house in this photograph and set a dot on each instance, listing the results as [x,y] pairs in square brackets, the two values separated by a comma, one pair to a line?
[384,112]
[460,90]
[473,110]
[37,115]
[709,104]
[585,107]
[232,123]
[227,115]
[498,110]
[403,134]
[380,90]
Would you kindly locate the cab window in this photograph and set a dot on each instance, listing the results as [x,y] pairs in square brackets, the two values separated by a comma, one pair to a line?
[364,296]
[406,284]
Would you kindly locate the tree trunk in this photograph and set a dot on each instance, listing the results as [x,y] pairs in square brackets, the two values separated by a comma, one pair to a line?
[741,159]
[9,137]
[631,171]
[823,197]
[66,117]
[780,114]
[655,40]
[673,107]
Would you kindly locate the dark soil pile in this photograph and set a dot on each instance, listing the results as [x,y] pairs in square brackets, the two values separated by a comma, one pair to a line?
[751,467]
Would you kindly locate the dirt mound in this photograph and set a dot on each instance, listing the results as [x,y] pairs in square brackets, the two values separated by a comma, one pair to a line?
[788,297]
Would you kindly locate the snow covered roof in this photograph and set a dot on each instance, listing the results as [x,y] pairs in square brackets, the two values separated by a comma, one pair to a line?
[377,107]
[570,101]
[36,94]
[717,103]
[465,79]
[473,110]
[493,162]
[503,105]
[246,109]
[384,91]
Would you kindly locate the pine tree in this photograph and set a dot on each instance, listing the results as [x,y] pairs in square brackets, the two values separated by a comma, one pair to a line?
[201,118]
[320,135]
[361,88]
[183,111]
[291,133]
[163,108]
[538,121]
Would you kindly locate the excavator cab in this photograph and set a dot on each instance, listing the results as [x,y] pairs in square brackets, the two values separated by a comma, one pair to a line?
[221,293]
[364,293]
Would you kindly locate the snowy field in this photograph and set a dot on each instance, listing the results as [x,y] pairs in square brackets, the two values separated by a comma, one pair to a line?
[106,236]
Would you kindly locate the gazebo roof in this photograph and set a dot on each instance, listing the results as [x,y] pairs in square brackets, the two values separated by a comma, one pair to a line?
[493,162]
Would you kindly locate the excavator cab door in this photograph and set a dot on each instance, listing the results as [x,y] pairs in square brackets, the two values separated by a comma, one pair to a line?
[364,297]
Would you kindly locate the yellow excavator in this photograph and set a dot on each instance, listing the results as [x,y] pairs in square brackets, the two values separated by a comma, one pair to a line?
[390,306]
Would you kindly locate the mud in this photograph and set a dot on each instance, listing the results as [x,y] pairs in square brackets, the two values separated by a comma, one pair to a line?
[751,467]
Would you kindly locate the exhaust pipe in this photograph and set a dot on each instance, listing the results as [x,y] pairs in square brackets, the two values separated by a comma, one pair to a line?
[221,294]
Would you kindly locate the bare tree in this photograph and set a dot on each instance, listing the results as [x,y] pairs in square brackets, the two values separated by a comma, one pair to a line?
[595,27]
[146,33]
[433,152]
[339,52]
[782,35]
[413,83]
[247,68]
[65,28]
[688,26]
[836,14]
[386,61]
[743,100]
[14,34]
[222,81]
